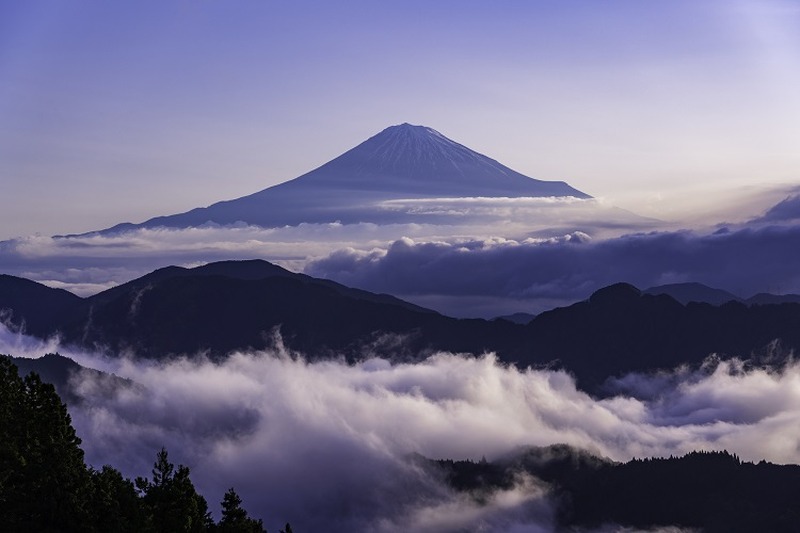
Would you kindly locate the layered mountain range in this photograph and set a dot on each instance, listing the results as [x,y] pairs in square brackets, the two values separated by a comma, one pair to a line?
[698,292]
[242,305]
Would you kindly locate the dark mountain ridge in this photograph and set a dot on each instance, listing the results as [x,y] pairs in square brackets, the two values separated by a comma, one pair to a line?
[238,305]
[228,306]
[28,304]
[712,491]
[697,292]
[65,375]
[619,330]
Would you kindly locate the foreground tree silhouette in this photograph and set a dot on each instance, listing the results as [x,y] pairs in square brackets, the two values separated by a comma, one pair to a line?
[44,483]
[115,504]
[171,499]
[234,517]
[45,486]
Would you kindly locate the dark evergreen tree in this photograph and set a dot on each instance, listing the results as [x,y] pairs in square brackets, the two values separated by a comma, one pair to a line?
[171,500]
[115,505]
[44,484]
[234,517]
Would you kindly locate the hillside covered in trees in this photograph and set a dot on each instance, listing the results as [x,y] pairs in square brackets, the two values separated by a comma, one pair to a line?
[229,306]
[45,485]
[714,492]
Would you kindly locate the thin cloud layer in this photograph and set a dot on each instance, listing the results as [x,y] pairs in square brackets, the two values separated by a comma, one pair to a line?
[88,263]
[328,446]
[472,257]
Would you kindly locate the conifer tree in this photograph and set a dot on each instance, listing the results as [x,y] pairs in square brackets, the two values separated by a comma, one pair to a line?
[234,517]
[171,499]
[44,484]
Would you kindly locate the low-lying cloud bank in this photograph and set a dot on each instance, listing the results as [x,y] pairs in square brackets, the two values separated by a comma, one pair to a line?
[744,261]
[326,445]
[467,256]
[458,275]
[88,263]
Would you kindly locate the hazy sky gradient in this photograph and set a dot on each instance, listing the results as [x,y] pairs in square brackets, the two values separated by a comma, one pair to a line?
[121,111]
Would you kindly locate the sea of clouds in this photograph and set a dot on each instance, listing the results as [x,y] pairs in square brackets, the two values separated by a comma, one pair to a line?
[459,275]
[485,257]
[329,446]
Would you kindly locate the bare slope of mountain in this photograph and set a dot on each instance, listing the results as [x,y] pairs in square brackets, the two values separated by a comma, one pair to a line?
[403,161]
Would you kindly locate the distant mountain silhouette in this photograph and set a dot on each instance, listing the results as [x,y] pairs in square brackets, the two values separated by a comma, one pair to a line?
[694,292]
[228,306]
[236,305]
[33,306]
[517,318]
[620,330]
[248,270]
[697,292]
[65,375]
[764,298]
[786,210]
[403,161]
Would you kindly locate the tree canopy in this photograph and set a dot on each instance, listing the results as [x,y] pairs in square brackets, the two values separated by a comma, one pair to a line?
[46,486]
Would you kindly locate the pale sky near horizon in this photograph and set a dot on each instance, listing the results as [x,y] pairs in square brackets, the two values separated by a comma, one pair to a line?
[120,111]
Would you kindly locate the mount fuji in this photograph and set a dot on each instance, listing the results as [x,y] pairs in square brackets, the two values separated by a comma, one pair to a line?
[401,162]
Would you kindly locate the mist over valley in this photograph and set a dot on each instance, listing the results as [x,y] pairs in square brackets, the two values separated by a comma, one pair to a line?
[383,267]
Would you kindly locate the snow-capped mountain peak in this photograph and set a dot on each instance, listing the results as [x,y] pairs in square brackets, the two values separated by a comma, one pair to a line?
[401,162]
[422,161]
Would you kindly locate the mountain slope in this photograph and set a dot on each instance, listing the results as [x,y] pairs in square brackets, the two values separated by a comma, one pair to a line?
[229,306]
[620,330]
[402,161]
[249,270]
[706,491]
[237,305]
[32,306]
[697,292]
[694,292]
[66,376]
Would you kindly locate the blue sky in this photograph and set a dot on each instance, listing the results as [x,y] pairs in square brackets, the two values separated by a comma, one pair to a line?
[119,111]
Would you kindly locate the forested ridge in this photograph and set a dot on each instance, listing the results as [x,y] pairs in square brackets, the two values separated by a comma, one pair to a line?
[230,306]
[713,491]
[46,486]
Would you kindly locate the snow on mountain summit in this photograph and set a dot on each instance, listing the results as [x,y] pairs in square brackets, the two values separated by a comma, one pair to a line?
[401,162]
[420,150]
[419,160]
